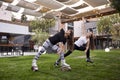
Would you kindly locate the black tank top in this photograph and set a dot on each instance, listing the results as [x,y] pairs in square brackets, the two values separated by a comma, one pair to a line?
[59,37]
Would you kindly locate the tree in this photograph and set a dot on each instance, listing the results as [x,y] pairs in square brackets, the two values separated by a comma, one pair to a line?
[42,24]
[115,31]
[115,4]
[104,25]
[41,29]
[39,36]
[115,28]
[107,24]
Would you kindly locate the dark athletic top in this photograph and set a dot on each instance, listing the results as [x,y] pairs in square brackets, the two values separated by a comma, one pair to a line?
[59,37]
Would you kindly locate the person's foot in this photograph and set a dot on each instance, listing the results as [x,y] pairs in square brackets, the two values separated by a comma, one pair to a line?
[63,63]
[65,66]
[88,60]
[56,63]
[34,66]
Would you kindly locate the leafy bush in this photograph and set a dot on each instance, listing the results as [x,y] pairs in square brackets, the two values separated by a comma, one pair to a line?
[41,29]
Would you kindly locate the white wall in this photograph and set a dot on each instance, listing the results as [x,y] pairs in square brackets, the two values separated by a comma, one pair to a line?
[12,28]
[77,28]
[5,15]
[92,24]
[81,27]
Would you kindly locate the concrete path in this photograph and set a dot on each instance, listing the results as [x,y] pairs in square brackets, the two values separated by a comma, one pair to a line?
[15,54]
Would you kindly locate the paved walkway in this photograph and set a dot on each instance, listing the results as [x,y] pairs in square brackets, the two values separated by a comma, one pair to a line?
[15,54]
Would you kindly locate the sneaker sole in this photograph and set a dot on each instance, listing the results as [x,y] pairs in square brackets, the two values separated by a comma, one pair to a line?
[64,68]
[33,68]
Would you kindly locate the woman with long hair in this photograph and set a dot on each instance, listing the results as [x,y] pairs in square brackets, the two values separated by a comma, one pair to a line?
[59,38]
[84,43]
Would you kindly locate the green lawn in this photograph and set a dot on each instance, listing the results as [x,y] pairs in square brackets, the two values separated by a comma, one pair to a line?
[106,66]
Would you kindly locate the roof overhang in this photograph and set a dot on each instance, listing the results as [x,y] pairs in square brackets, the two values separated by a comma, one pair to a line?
[69,9]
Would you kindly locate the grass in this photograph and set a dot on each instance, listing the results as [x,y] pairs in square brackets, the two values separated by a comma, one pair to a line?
[106,66]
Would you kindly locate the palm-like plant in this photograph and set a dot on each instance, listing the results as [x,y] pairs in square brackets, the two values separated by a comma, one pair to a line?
[42,24]
[39,36]
[41,29]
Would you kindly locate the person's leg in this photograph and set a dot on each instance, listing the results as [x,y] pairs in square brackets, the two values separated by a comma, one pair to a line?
[46,44]
[88,56]
[67,53]
[34,61]
[63,63]
[82,48]
[59,59]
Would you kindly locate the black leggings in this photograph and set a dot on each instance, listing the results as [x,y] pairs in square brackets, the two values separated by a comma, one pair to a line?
[81,48]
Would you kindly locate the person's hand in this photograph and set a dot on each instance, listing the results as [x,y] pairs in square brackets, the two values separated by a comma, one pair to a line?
[59,52]
[85,51]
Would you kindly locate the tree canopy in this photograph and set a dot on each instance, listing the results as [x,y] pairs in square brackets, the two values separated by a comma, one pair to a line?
[107,25]
[41,29]
[115,4]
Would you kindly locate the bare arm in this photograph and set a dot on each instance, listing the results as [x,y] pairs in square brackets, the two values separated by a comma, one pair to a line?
[62,47]
[87,46]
